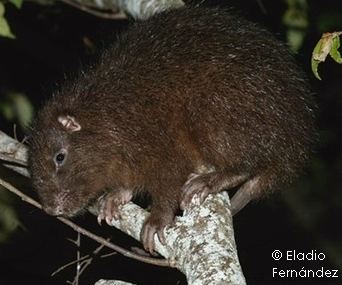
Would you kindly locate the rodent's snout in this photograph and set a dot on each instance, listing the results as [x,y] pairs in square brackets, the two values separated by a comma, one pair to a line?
[60,209]
[57,203]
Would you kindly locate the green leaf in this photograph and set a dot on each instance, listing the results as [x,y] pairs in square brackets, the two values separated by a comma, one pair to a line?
[2,9]
[314,68]
[334,53]
[16,106]
[295,38]
[5,30]
[24,109]
[17,3]
[8,218]
[314,61]
[327,45]
[7,111]
[296,20]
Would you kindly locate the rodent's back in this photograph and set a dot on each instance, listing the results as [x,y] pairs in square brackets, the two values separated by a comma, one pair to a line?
[227,83]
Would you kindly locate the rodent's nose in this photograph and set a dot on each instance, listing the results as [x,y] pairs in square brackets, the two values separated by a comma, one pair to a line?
[53,211]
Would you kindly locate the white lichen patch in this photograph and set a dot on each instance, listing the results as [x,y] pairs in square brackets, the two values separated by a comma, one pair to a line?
[112,282]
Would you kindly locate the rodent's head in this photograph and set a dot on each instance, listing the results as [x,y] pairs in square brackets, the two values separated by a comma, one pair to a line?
[61,163]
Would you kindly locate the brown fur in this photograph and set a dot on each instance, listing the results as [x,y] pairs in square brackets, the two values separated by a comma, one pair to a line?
[197,90]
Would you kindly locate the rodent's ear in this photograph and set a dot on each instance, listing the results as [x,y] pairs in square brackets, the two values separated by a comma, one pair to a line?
[69,123]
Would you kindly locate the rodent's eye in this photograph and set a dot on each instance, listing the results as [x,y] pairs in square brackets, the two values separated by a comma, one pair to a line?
[60,157]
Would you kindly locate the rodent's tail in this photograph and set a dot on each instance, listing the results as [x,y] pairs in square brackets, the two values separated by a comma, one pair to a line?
[247,192]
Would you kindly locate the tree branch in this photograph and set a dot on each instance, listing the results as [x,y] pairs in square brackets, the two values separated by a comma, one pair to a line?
[117,9]
[115,14]
[112,282]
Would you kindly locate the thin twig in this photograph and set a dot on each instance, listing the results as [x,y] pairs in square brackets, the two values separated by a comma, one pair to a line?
[86,263]
[69,264]
[124,252]
[72,241]
[15,132]
[101,14]
[82,263]
[78,256]
[108,254]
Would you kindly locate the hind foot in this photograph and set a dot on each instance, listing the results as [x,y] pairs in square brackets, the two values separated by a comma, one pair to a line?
[204,184]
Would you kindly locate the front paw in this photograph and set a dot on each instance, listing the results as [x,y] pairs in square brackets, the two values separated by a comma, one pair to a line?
[109,204]
[155,224]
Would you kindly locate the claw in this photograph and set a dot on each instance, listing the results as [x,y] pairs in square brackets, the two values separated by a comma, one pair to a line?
[109,221]
[155,225]
[161,236]
[117,216]
[99,219]
[148,238]
[109,205]
[204,194]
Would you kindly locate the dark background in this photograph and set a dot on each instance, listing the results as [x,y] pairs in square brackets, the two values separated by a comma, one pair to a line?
[51,41]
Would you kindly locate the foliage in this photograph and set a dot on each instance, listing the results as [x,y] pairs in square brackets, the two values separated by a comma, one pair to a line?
[8,217]
[17,3]
[296,20]
[17,107]
[5,30]
[327,45]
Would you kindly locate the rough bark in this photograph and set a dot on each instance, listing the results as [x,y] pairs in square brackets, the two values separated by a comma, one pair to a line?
[138,9]
[112,282]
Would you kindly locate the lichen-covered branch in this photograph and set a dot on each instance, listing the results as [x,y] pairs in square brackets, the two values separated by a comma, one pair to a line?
[143,9]
[112,282]
[116,9]
[13,152]
[200,243]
